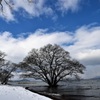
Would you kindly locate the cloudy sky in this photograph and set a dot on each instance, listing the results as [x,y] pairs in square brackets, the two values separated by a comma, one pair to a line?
[72,24]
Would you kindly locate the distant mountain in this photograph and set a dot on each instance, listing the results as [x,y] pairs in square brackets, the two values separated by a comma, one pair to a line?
[97,77]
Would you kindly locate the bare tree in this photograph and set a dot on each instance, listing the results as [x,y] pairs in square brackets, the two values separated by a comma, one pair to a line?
[6,68]
[51,64]
[2,61]
[9,4]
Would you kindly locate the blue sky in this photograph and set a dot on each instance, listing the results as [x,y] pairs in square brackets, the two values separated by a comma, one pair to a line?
[73,24]
[87,13]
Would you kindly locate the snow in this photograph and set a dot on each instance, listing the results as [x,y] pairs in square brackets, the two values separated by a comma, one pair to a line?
[18,93]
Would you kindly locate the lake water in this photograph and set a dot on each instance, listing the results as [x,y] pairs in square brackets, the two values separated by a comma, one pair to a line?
[68,90]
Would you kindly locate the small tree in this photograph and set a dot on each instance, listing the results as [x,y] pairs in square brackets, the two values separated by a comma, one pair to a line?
[6,68]
[51,64]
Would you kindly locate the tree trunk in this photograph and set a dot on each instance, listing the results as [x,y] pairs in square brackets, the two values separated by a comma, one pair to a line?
[53,84]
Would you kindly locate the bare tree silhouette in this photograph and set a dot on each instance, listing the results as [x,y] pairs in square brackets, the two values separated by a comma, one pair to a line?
[51,64]
[6,69]
[9,4]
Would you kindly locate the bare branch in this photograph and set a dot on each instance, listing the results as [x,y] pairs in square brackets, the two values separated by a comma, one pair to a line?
[52,63]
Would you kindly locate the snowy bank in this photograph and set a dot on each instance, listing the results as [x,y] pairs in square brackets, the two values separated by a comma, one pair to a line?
[18,93]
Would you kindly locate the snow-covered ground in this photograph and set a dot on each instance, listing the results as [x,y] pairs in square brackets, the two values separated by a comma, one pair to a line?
[18,93]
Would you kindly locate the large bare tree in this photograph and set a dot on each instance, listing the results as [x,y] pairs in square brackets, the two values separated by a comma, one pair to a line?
[51,64]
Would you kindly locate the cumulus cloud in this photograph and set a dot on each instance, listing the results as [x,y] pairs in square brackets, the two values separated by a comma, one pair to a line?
[6,12]
[83,45]
[90,57]
[66,5]
[18,48]
[86,45]
[36,8]
[86,49]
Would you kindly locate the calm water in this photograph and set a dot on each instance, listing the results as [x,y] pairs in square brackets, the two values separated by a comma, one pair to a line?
[76,90]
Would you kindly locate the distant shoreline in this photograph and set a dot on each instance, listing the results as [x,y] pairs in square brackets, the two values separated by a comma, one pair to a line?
[54,97]
[67,90]
[63,96]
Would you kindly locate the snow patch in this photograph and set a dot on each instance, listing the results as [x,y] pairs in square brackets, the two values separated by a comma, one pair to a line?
[18,93]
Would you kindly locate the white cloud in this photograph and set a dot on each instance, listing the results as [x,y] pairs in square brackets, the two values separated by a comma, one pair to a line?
[90,57]
[34,9]
[86,48]
[7,12]
[86,45]
[66,5]
[16,49]
[83,44]
[37,8]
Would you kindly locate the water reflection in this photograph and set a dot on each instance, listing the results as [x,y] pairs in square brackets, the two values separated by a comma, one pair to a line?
[74,90]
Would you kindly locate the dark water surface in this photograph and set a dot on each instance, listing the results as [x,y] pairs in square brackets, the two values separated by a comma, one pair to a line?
[67,90]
